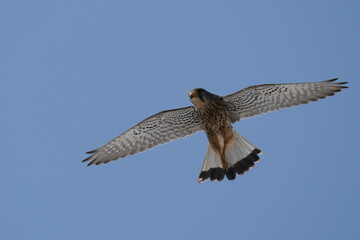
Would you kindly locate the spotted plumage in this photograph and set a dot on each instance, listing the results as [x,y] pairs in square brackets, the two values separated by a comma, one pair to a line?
[228,152]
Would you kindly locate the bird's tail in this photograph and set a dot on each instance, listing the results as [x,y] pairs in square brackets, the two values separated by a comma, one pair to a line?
[240,157]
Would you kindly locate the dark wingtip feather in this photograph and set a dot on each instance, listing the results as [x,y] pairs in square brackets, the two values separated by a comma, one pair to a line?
[92,162]
[331,80]
[87,159]
[90,157]
[92,151]
[337,83]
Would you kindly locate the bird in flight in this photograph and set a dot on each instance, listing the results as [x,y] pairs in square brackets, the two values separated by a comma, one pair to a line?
[228,153]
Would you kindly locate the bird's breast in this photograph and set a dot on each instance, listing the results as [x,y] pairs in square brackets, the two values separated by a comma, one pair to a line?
[214,117]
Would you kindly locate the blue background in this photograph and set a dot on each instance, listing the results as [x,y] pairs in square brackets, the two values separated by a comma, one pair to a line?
[75,74]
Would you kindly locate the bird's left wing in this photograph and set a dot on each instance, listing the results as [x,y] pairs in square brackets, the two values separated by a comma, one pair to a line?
[158,129]
[260,99]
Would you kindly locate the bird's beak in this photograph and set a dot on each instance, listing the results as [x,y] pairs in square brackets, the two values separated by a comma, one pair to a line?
[192,94]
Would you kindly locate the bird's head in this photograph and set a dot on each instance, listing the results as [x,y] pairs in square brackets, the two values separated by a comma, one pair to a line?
[199,97]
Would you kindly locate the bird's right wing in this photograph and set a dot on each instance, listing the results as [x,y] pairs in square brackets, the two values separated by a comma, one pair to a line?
[158,129]
[260,99]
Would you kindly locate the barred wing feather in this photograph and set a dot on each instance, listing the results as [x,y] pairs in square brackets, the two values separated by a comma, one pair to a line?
[158,129]
[260,99]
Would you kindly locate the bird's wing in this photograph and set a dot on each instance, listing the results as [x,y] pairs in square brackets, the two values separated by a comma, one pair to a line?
[260,99]
[160,128]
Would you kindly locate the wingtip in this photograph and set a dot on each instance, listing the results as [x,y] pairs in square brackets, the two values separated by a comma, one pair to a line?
[87,159]
[339,85]
[331,80]
[92,151]
[91,163]
[343,83]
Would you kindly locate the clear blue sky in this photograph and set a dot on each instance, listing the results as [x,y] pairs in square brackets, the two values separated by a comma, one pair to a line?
[75,74]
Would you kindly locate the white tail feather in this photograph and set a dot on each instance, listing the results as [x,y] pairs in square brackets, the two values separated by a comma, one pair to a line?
[239,150]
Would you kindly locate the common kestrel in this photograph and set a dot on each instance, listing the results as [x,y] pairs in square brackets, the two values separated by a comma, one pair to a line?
[228,153]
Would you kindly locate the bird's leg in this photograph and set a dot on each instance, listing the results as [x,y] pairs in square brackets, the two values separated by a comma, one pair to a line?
[228,138]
